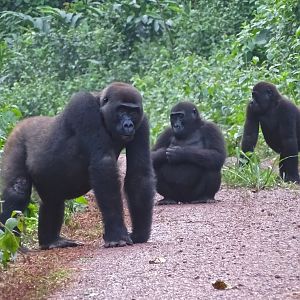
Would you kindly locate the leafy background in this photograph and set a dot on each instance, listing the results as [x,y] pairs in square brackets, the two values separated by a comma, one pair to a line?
[211,54]
[208,52]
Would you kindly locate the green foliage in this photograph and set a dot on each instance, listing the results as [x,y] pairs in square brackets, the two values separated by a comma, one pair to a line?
[220,85]
[202,26]
[73,206]
[143,20]
[26,5]
[9,242]
[31,222]
[9,115]
[250,173]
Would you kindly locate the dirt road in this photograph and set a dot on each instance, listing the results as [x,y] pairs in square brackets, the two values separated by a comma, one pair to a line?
[251,241]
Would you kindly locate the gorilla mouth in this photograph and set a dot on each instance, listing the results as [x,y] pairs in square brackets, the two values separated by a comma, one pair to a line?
[127,137]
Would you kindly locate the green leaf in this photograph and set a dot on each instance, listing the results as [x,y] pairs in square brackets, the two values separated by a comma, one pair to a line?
[262,37]
[9,242]
[156,26]
[298,32]
[11,223]
[81,200]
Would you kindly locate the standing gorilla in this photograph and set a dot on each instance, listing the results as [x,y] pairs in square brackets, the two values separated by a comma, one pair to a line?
[188,157]
[280,123]
[65,156]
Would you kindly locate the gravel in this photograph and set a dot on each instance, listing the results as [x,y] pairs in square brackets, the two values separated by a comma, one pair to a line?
[249,241]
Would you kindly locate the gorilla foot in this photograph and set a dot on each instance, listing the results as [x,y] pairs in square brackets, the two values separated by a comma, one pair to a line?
[292,179]
[120,243]
[204,200]
[61,243]
[142,237]
[166,201]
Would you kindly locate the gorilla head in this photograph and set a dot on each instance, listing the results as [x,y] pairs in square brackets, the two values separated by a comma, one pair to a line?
[121,109]
[184,119]
[264,96]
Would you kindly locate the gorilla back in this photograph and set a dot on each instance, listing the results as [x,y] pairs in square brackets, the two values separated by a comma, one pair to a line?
[67,155]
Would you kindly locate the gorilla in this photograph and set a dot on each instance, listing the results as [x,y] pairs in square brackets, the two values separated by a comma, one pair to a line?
[280,123]
[188,157]
[65,156]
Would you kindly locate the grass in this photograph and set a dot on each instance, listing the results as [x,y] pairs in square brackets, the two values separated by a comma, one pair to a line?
[252,174]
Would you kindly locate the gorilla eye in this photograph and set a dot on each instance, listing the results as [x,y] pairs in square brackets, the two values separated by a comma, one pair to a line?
[105,100]
[269,92]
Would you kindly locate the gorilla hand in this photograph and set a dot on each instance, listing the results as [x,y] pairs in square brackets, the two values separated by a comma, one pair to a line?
[174,154]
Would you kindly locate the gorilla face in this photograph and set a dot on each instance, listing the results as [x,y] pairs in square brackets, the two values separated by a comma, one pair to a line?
[122,111]
[263,98]
[127,119]
[184,119]
[177,122]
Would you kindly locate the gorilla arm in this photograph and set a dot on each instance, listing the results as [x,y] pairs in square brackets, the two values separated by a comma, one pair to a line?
[211,156]
[139,183]
[158,152]
[251,129]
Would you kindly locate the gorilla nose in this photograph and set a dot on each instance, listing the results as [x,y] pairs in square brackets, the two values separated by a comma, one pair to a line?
[128,127]
[176,127]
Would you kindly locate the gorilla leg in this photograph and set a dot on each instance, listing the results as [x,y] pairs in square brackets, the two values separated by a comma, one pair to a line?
[288,168]
[180,183]
[16,196]
[140,203]
[51,215]
[166,189]
[209,186]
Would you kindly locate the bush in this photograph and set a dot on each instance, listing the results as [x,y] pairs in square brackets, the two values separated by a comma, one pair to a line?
[9,115]
[9,241]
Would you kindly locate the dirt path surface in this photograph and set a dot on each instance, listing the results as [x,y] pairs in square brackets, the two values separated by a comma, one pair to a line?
[251,241]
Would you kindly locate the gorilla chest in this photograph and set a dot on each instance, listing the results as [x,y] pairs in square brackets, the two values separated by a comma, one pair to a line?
[271,130]
[196,139]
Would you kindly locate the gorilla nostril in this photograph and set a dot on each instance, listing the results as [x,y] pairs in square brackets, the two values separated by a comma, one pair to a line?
[128,125]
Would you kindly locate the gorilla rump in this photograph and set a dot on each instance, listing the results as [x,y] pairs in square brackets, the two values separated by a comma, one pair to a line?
[280,123]
[188,157]
[65,156]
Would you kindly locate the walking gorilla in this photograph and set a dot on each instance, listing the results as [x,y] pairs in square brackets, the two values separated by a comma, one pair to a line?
[65,156]
[188,157]
[280,123]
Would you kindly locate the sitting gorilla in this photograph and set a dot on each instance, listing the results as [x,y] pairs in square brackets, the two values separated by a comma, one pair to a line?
[188,157]
[280,123]
[65,156]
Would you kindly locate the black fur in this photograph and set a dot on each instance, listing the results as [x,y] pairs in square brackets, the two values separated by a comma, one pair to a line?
[188,157]
[280,123]
[65,156]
